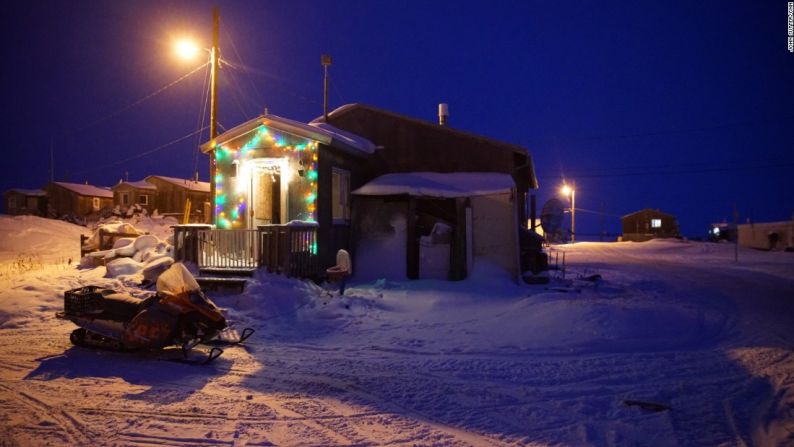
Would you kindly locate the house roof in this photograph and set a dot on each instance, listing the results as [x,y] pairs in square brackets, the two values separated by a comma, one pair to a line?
[354,113]
[191,185]
[140,184]
[323,133]
[348,108]
[650,211]
[440,185]
[29,192]
[86,190]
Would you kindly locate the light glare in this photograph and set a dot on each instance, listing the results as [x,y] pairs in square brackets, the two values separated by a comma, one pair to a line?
[186,49]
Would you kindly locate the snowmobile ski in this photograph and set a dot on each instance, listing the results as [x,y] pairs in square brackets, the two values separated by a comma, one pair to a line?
[213,354]
[230,337]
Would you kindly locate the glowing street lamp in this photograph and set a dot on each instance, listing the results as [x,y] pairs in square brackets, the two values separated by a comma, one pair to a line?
[187,49]
[571,191]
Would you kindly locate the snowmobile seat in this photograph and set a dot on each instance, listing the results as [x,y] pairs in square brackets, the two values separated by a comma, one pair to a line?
[120,307]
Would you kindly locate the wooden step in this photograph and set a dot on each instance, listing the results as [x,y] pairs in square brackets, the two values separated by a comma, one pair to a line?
[227,271]
[222,283]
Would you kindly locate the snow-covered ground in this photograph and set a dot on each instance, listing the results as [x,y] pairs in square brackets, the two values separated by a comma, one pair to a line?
[478,362]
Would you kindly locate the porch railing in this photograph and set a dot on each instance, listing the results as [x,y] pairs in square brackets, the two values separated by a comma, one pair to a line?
[228,249]
[287,249]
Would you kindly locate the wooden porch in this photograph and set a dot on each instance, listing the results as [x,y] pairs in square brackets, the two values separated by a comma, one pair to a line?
[289,249]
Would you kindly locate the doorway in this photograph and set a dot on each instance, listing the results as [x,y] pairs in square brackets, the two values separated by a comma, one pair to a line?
[268,193]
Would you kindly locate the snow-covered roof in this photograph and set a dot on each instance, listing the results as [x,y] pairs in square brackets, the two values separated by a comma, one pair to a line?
[321,132]
[29,192]
[350,139]
[435,184]
[185,183]
[87,190]
[140,184]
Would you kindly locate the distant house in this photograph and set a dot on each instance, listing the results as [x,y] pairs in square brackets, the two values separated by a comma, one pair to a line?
[172,193]
[141,193]
[648,224]
[25,201]
[76,199]
[767,235]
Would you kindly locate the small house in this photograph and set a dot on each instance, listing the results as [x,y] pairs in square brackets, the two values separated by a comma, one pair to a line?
[272,171]
[648,224]
[77,199]
[140,193]
[288,195]
[25,201]
[171,196]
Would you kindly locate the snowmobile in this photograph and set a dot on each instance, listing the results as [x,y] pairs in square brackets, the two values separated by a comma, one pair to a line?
[178,314]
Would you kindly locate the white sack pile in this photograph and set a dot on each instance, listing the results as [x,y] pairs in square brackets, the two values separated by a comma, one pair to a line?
[145,254]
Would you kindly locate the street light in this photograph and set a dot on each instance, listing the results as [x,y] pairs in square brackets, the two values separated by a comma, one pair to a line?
[571,191]
[187,49]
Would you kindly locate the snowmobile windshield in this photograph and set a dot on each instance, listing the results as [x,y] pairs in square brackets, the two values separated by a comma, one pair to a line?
[177,279]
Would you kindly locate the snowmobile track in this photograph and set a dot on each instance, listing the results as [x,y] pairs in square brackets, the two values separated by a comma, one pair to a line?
[77,432]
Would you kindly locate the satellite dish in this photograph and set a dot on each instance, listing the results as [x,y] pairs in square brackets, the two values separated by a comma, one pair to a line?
[551,216]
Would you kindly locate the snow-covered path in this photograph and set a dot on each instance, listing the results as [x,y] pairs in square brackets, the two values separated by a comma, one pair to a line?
[479,362]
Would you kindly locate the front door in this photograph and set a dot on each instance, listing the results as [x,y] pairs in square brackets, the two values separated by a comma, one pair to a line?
[266,201]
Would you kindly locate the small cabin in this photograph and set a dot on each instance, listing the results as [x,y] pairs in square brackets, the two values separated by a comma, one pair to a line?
[140,193]
[25,201]
[77,199]
[171,197]
[648,224]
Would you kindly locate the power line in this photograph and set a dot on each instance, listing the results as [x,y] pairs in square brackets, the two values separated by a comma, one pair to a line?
[234,47]
[652,133]
[138,102]
[662,170]
[141,155]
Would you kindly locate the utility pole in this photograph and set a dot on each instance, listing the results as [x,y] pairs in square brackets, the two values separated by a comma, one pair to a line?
[736,226]
[573,213]
[325,60]
[214,59]
[52,159]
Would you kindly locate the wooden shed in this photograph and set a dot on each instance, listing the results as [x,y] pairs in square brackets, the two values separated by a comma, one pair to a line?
[141,193]
[648,224]
[77,199]
[25,201]
[171,195]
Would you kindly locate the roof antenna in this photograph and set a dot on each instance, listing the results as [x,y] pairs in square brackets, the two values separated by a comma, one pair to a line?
[325,61]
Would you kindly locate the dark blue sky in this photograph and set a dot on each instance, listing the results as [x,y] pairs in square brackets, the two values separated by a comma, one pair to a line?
[683,106]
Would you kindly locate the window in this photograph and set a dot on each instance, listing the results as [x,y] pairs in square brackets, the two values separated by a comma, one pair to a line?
[340,195]
[656,223]
[96,203]
[143,199]
[125,198]
[12,203]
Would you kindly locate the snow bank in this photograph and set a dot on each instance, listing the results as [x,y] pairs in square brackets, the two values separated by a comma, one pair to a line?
[46,239]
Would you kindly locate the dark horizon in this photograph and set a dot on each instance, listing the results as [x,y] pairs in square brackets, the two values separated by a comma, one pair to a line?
[680,107]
